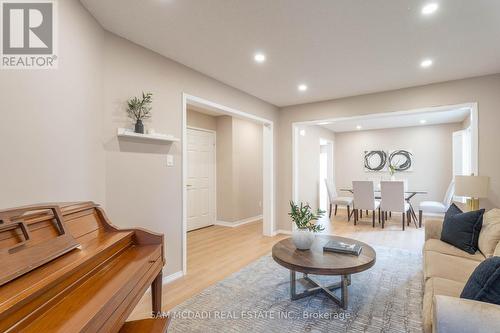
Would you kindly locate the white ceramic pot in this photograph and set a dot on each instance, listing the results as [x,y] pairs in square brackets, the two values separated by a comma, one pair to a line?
[303,239]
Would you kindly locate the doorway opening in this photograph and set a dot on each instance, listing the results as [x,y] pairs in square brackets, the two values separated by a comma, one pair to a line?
[425,134]
[228,173]
[326,171]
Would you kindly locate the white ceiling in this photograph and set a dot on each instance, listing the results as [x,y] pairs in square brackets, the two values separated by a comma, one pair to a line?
[337,47]
[391,120]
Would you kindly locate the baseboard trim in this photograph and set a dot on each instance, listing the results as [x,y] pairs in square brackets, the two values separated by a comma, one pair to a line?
[284,232]
[238,222]
[172,277]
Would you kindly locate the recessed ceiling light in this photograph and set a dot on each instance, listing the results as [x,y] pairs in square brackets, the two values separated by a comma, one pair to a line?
[426,63]
[259,57]
[423,121]
[430,8]
[302,87]
[359,127]
[324,123]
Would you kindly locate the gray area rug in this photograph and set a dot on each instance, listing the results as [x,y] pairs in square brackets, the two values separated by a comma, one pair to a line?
[386,298]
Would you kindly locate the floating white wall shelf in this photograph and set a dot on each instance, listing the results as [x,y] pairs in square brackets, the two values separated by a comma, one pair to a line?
[157,137]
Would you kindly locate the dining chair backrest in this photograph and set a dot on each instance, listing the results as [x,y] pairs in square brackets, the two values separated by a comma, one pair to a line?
[450,192]
[393,196]
[330,188]
[364,196]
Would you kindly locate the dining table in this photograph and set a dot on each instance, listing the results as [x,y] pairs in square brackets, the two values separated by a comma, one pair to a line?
[408,196]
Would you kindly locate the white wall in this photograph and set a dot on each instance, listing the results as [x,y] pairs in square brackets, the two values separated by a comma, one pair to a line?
[140,189]
[247,157]
[201,120]
[308,152]
[51,120]
[226,201]
[431,147]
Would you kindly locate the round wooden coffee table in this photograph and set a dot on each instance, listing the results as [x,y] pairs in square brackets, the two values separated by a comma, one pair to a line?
[319,262]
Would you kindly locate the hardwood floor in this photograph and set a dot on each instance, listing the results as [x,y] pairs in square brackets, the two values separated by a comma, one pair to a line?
[392,235]
[216,252]
[213,254]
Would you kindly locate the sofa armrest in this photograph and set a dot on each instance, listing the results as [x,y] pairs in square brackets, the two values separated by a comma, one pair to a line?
[433,229]
[497,250]
[458,315]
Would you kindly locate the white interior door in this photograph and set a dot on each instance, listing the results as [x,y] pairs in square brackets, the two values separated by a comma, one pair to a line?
[200,179]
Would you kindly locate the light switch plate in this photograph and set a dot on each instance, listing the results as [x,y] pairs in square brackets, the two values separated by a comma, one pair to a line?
[170,160]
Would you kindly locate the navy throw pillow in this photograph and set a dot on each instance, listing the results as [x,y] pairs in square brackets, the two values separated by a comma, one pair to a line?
[462,229]
[484,283]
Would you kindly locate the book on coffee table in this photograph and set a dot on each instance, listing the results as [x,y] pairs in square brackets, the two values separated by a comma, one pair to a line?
[342,247]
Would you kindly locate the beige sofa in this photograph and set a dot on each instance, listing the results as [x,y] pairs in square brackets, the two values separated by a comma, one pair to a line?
[446,271]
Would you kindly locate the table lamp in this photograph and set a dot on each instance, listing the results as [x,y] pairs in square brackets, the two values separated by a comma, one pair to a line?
[473,187]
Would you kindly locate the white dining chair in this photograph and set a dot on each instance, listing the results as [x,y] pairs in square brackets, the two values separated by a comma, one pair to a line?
[364,199]
[437,207]
[335,200]
[393,200]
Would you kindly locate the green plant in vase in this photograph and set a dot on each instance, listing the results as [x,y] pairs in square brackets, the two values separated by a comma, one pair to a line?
[140,109]
[305,220]
[392,171]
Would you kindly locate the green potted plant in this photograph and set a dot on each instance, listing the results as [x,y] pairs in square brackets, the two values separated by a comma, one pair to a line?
[392,171]
[140,109]
[303,217]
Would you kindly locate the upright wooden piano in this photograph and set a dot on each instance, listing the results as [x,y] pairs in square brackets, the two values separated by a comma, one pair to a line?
[67,268]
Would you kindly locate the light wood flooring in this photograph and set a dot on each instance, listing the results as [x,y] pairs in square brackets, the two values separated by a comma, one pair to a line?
[392,235]
[216,252]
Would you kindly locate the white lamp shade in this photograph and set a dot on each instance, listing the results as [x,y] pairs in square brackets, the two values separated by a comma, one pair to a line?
[472,186]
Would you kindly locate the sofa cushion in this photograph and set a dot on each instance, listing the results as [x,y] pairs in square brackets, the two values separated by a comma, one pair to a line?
[458,315]
[439,246]
[433,287]
[490,232]
[433,229]
[462,229]
[448,267]
[484,283]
